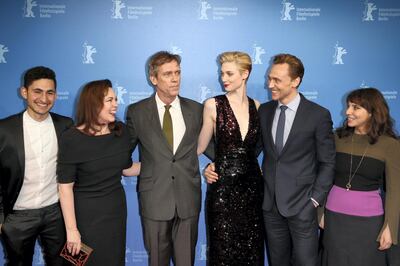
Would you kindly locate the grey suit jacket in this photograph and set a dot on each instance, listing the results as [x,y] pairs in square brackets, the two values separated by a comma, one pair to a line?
[12,157]
[167,181]
[305,167]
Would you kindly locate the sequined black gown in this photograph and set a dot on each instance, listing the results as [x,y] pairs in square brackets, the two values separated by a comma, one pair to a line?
[234,213]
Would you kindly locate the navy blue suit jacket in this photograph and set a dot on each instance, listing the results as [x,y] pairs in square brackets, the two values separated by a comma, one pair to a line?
[305,167]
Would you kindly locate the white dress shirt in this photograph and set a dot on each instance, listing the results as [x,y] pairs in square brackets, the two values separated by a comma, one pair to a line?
[290,114]
[39,188]
[178,124]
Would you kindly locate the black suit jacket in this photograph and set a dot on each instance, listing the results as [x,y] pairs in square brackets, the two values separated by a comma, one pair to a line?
[12,157]
[305,167]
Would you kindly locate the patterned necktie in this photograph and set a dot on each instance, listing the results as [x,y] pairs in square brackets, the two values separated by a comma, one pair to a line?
[280,129]
[167,126]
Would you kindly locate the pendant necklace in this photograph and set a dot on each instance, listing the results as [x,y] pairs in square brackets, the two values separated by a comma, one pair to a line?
[351,176]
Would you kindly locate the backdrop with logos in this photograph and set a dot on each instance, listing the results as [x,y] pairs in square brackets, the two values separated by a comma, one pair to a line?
[343,45]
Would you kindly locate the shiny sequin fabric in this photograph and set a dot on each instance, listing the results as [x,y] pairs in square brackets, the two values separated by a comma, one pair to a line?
[234,214]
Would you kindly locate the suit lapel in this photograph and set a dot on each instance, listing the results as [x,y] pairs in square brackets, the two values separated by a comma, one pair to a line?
[19,141]
[269,121]
[58,126]
[155,124]
[297,123]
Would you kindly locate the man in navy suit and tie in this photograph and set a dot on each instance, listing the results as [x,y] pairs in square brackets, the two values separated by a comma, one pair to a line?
[298,165]
[29,208]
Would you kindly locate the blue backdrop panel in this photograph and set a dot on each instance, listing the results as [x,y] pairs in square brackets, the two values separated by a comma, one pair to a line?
[343,45]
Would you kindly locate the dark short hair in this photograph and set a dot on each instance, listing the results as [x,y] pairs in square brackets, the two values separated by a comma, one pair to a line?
[296,68]
[90,103]
[380,123]
[39,72]
[160,58]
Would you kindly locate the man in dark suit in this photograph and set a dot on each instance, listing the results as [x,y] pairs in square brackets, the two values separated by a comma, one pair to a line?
[298,165]
[29,208]
[166,128]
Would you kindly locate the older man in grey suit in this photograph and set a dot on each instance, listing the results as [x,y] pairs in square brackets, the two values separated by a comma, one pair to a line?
[166,127]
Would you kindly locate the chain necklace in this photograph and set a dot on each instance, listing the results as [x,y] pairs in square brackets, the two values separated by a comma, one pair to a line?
[351,176]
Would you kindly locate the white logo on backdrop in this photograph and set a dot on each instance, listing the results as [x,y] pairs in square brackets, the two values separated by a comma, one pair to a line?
[88,51]
[339,52]
[131,12]
[287,7]
[203,7]
[127,251]
[45,10]
[205,11]
[3,50]
[300,13]
[369,8]
[204,93]
[38,256]
[363,85]
[373,13]
[116,9]
[258,51]
[120,93]
[62,95]
[139,256]
[390,95]
[176,50]
[203,252]
[310,94]
[29,4]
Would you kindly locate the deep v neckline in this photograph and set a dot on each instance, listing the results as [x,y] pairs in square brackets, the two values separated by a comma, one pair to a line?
[237,122]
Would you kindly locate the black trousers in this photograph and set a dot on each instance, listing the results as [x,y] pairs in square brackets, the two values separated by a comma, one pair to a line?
[292,240]
[22,228]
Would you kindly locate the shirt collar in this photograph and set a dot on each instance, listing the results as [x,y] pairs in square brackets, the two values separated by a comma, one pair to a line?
[293,104]
[28,119]
[161,104]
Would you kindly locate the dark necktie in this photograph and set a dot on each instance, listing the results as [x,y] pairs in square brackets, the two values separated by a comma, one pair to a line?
[280,129]
[167,126]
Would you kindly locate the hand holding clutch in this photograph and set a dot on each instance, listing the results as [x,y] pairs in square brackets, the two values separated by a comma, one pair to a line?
[79,259]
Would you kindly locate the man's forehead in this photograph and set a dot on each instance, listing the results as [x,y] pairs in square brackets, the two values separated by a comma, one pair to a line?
[170,66]
[279,69]
[43,84]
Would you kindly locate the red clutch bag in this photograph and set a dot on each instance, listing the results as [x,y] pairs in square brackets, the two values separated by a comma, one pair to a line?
[81,258]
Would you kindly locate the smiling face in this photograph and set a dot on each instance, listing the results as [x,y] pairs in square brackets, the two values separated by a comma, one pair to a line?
[358,117]
[283,88]
[167,81]
[40,96]
[232,77]
[109,109]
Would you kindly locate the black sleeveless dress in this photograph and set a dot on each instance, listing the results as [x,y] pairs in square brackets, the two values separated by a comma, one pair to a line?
[234,202]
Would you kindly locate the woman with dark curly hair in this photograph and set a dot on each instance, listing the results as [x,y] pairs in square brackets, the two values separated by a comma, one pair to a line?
[363,207]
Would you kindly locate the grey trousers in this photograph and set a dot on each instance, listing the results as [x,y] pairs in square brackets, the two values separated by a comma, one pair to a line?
[173,239]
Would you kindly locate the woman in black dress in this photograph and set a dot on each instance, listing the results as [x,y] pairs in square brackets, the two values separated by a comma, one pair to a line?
[233,204]
[92,158]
